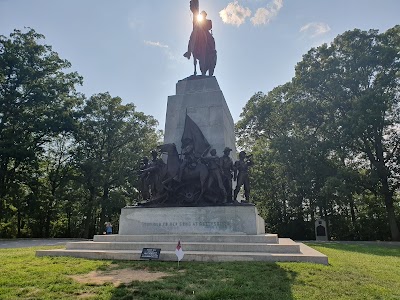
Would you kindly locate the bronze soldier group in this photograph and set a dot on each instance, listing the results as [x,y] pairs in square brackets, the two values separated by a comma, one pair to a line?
[221,171]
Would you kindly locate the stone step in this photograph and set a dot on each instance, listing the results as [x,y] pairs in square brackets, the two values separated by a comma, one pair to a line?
[282,247]
[306,254]
[262,238]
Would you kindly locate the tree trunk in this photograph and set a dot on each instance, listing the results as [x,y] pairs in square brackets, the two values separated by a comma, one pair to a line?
[104,214]
[3,187]
[68,232]
[47,224]
[388,195]
[89,213]
[19,223]
[353,217]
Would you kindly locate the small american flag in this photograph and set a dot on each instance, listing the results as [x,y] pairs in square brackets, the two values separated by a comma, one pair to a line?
[179,252]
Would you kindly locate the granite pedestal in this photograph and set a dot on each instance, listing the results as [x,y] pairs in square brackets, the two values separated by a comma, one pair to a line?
[202,99]
[214,234]
[240,219]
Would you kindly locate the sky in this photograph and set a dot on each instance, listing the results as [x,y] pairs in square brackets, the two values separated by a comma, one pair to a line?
[133,48]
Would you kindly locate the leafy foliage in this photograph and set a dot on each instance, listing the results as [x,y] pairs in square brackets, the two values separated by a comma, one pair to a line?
[330,139]
[66,163]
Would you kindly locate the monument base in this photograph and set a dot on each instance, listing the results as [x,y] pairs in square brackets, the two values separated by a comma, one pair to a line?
[235,219]
[214,234]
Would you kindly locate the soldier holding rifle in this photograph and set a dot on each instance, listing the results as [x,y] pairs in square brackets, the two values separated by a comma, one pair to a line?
[241,174]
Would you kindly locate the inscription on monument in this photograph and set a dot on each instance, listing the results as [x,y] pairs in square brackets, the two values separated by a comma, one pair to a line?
[188,224]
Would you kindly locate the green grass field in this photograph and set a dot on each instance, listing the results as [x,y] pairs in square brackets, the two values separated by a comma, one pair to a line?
[355,272]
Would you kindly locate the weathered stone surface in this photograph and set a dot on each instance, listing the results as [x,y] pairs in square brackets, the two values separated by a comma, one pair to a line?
[203,100]
[194,220]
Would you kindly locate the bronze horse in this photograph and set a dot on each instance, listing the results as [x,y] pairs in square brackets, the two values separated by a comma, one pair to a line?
[201,43]
[204,52]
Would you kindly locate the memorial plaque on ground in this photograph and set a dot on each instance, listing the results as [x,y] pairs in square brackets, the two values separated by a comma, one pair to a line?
[150,253]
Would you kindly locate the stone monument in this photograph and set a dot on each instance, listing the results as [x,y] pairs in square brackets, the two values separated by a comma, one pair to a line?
[321,233]
[188,201]
[198,122]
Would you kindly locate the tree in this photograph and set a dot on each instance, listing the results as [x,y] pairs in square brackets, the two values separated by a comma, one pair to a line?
[37,99]
[331,137]
[111,139]
[291,162]
[356,81]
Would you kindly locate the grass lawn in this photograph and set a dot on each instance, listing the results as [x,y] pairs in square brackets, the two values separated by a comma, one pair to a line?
[355,272]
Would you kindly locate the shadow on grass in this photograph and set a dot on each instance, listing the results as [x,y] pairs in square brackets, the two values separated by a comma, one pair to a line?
[360,247]
[197,280]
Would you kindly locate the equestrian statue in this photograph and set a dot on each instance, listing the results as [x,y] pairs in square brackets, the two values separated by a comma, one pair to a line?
[201,43]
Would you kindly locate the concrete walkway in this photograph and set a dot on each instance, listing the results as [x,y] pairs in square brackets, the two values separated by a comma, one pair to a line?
[26,243]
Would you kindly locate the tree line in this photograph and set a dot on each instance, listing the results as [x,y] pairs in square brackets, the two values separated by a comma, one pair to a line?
[67,163]
[327,143]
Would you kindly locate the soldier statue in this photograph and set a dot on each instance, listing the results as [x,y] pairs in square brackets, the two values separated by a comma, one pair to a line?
[144,182]
[189,159]
[227,169]
[153,171]
[241,174]
[215,172]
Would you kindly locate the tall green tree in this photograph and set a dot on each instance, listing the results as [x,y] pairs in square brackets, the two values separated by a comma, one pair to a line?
[331,135]
[111,139]
[356,82]
[37,98]
[55,173]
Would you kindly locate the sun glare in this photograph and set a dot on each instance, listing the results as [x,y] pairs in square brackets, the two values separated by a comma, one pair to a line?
[200,18]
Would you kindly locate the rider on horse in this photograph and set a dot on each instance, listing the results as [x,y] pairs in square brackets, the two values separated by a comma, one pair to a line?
[200,35]
[201,43]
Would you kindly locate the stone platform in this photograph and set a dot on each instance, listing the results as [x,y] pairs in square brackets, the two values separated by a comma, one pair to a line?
[222,233]
[207,248]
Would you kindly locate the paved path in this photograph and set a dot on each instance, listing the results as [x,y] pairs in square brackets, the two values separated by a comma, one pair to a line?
[24,243]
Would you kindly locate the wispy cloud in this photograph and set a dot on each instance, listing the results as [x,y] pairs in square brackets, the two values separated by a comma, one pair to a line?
[155,44]
[235,14]
[264,15]
[315,29]
[133,24]
[164,48]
